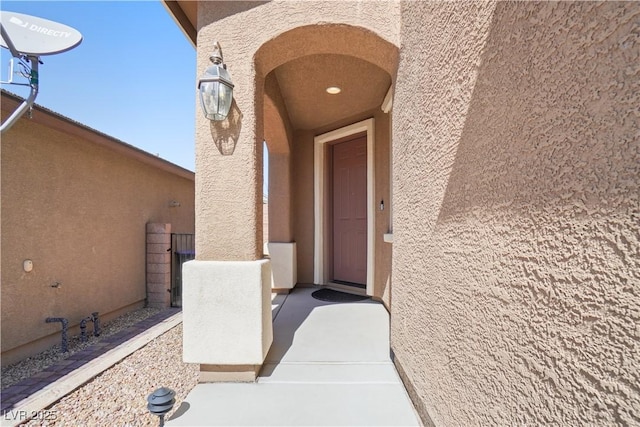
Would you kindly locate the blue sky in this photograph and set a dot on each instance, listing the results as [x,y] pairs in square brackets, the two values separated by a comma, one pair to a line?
[133,76]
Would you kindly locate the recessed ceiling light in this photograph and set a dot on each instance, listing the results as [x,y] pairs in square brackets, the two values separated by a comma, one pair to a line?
[333,90]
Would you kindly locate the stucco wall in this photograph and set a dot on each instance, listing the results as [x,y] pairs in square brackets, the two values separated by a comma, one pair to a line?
[516,255]
[78,209]
[277,134]
[228,220]
[382,280]
[302,157]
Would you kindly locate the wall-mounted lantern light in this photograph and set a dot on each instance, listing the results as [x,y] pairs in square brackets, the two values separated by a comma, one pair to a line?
[216,88]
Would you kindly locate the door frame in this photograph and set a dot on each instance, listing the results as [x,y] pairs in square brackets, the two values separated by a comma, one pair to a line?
[321,196]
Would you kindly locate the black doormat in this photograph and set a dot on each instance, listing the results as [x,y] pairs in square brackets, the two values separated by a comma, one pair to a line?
[330,295]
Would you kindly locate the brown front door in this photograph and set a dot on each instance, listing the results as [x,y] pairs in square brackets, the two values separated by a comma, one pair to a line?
[350,211]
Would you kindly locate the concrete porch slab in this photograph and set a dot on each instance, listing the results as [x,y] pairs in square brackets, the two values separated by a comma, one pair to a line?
[329,365]
[309,330]
[333,373]
[296,405]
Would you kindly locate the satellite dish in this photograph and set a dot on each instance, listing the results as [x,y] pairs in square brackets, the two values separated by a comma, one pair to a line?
[34,36]
[28,37]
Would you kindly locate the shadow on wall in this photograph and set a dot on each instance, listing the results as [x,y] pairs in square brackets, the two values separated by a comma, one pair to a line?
[533,263]
[547,125]
[225,133]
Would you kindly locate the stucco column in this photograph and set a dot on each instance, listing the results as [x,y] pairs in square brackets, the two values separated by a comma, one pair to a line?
[280,221]
[281,247]
[226,296]
[229,187]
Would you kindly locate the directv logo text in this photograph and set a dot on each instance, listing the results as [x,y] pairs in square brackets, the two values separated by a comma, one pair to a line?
[39,29]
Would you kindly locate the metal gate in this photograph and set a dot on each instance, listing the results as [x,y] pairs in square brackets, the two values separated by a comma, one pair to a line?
[182,250]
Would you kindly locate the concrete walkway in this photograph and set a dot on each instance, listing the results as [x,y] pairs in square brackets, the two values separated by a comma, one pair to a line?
[329,365]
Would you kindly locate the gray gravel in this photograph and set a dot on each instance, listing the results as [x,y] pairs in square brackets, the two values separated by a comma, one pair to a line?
[19,371]
[117,397]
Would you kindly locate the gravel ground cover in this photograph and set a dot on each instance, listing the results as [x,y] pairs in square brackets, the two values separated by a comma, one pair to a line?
[118,396]
[17,372]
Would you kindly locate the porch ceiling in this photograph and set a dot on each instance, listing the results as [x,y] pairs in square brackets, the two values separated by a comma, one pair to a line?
[303,84]
[303,81]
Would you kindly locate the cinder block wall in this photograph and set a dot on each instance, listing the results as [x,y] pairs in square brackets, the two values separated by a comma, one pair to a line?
[76,203]
[516,255]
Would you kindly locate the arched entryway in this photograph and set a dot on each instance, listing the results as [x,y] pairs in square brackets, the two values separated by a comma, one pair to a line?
[281,59]
[293,72]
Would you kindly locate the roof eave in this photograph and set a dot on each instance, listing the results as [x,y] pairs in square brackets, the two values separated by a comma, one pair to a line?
[187,27]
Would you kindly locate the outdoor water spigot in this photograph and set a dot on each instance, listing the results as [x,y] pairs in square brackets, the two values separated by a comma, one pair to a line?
[65,324]
[83,329]
[96,324]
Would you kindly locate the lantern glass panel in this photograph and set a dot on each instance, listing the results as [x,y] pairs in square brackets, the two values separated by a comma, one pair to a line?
[216,93]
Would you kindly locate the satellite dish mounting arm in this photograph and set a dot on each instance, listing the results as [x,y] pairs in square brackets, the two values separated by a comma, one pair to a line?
[33,83]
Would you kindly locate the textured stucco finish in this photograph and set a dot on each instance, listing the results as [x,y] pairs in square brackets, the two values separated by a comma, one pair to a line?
[515,191]
[303,82]
[258,46]
[516,264]
[256,40]
[382,192]
[284,267]
[302,158]
[277,126]
[278,134]
[227,312]
[78,209]
[280,212]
